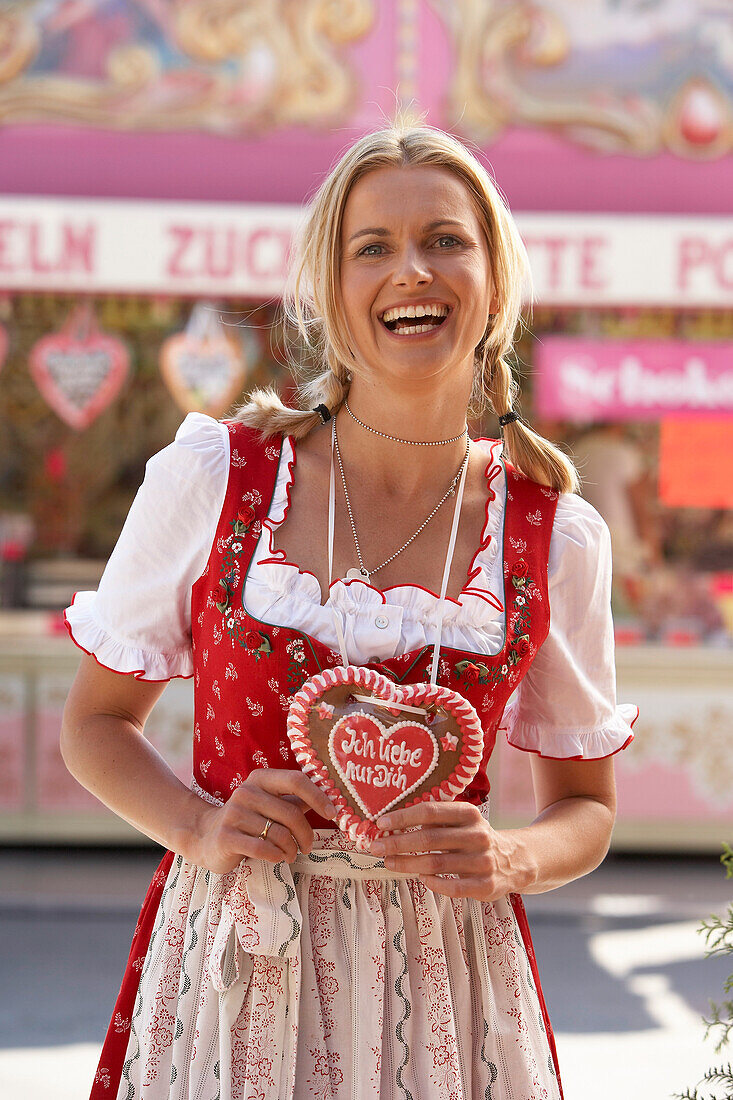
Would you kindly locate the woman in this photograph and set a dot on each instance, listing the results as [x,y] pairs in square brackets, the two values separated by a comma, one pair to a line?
[271,958]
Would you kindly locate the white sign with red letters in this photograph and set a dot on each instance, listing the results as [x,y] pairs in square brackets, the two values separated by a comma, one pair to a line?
[226,249]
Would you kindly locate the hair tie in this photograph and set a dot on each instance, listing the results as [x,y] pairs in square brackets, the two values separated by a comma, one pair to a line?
[508,418]
[324,412]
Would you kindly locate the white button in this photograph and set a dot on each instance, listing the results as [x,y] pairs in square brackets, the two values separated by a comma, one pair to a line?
[381,621]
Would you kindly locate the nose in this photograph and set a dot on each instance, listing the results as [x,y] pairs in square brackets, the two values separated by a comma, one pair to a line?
[411,268]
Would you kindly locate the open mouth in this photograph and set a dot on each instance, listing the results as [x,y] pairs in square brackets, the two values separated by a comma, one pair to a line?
[415,320]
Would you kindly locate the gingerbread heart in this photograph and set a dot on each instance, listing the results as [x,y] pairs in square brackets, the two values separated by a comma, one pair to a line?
[374,745]
[79,370]
[204,374]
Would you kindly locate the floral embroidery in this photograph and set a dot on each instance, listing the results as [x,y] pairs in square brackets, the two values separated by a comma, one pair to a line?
[519,619]
[232,548]
[297,666]
[102,1077]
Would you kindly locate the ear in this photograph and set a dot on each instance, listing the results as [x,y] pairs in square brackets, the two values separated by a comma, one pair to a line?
[494,304]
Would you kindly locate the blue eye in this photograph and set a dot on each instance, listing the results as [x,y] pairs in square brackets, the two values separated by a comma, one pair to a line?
[365,251]
[448,237]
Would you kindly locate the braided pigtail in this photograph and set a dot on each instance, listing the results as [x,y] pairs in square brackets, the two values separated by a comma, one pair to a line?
[267,413]
[532,454]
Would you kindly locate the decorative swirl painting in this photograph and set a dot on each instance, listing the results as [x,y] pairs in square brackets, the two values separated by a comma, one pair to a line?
[220,65]
[637,77]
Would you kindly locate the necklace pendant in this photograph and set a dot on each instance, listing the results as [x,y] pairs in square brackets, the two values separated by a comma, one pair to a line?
[357,575]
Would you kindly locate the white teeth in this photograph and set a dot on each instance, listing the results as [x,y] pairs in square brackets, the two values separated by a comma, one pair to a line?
[412,330]
[432,310]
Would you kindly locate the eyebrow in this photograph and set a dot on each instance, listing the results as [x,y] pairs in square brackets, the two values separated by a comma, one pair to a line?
[380,231]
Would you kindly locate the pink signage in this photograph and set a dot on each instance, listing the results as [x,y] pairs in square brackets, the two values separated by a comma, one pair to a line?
[193,100]
[587,380]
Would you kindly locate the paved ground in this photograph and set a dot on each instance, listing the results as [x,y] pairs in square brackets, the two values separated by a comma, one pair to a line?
[621,961]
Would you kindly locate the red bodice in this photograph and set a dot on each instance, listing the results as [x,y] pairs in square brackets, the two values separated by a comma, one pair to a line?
[245,670]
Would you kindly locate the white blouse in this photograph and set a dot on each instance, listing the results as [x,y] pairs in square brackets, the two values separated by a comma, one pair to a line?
[139,620]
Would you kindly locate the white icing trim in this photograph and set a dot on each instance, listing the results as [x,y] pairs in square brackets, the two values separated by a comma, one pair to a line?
[424,694]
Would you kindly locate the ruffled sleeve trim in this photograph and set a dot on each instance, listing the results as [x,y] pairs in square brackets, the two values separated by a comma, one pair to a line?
[138,623]
[119,656]
[596,744]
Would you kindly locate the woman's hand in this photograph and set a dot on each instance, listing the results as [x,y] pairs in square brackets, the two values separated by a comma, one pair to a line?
[452,838]
[229,833]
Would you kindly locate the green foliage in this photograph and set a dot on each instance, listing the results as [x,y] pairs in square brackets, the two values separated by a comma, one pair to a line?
[717,1082]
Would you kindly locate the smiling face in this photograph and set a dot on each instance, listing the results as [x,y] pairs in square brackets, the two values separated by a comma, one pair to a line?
[416,283]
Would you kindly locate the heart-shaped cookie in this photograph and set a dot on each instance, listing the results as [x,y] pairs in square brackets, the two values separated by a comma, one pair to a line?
[204,374]
[79,373]
[374,745]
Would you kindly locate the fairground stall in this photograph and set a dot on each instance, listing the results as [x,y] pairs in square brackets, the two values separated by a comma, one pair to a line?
[153,163]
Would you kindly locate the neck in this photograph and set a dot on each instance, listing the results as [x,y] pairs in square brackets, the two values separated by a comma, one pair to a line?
[399,468]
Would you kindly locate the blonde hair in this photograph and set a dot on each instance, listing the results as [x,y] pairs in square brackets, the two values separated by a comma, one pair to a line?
[311,301]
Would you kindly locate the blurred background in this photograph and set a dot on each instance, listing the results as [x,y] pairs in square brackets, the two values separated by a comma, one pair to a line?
[154,157]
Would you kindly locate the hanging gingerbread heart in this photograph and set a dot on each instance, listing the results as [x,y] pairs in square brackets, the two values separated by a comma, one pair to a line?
[80,369]
[202,368]
[374,745]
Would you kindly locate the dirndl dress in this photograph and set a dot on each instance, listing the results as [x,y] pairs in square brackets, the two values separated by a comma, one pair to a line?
[332,977]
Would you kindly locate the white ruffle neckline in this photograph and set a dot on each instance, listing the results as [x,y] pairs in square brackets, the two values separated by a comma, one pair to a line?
[475,619]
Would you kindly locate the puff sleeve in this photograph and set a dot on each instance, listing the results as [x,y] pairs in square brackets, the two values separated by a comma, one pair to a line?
[565,707]
[138,622]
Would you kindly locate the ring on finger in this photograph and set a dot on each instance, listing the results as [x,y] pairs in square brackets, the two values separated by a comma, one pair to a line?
[265,831]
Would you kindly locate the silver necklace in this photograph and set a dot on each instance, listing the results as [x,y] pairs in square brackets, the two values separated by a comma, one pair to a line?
[362,573]
[396,439]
